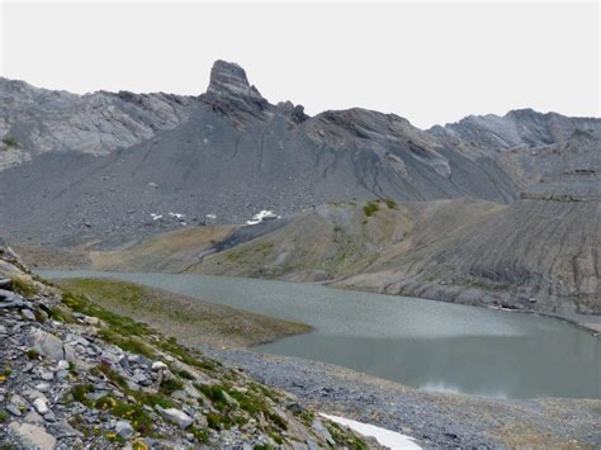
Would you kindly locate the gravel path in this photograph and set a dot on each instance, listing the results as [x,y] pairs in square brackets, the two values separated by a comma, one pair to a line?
[434,420]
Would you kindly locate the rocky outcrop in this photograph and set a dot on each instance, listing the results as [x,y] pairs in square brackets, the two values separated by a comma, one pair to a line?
[230,94]
[518,128]
[35,121]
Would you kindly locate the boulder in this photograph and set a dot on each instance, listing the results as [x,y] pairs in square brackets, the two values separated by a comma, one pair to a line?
[47,344]
[176,416]
[32,436]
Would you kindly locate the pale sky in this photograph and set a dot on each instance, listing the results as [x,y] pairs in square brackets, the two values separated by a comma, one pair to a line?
[429,62]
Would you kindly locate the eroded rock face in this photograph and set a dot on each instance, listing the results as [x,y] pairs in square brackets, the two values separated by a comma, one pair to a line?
[34,121]
[229,93]
[229,80]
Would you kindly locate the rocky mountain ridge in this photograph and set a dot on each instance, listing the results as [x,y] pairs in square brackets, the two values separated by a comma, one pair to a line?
[118,158]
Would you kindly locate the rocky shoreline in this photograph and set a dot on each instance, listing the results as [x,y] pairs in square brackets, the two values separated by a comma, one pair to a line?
[434,420]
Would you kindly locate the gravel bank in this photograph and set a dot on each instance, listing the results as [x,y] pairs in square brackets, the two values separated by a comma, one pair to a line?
[434,420]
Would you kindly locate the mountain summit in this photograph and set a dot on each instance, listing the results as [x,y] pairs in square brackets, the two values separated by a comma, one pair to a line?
[230,93]
[229,80]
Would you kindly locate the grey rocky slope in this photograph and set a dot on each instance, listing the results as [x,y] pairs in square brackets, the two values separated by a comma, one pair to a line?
[73,375]
[531,254]
[102,163]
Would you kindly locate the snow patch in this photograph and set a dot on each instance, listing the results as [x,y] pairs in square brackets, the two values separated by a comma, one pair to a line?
[265,214]
[156,216]
[211,216]
[387,438]
[178,216]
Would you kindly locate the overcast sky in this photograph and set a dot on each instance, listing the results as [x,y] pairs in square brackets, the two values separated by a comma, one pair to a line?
[429,62]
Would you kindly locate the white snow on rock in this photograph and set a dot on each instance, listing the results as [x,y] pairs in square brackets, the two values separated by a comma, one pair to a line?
[178,216]
[387,438]
[211,216]
[156,216]
[265,214]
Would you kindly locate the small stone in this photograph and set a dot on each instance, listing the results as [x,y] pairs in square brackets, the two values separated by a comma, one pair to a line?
[62,365]
[62,374]
[28,314]
[311,444]
[124,429]
[46,375]
[42,387]
[41,406]
[159,365]
[94,321]
[14,410]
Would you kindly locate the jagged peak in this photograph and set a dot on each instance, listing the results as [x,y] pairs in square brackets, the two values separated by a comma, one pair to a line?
[229,79]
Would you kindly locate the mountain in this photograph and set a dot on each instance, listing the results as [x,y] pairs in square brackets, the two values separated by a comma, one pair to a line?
[492,209]
[100,164]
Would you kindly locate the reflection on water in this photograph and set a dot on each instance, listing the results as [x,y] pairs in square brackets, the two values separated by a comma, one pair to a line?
[429,345]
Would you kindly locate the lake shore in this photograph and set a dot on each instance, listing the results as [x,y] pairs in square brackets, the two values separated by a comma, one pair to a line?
[435,420]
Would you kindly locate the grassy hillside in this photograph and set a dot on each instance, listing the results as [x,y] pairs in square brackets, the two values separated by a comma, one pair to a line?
[333,242]
[191,321]
[114,382]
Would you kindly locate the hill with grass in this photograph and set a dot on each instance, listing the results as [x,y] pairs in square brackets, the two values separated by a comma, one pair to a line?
[74,374]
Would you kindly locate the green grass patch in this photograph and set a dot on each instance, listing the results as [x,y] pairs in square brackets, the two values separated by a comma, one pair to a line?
[112,375]
[24,287]
[80,393]
[390,203]
[344,437]
[182,373]
[170,345]
[10,142]
[215,393]
[219,421]
[200,435]
[370,208]
[139,419]
[32,354]
[169,386]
